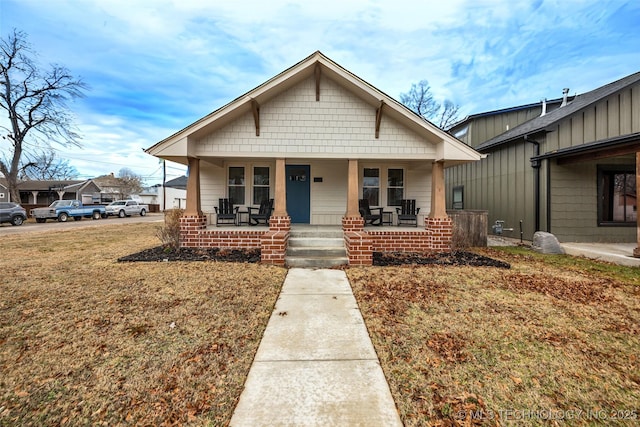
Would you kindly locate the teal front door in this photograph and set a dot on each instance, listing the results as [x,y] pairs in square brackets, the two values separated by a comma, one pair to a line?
[298,193]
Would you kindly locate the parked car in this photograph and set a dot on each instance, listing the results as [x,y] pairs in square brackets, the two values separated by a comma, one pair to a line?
[13,213]
[127,207]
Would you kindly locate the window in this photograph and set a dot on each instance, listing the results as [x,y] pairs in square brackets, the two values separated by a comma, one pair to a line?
[395,186]
[458,197]
[260,184]
[616,196]
[371,186]
[236,185]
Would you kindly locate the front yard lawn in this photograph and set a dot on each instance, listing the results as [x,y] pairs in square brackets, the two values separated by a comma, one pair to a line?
[85,340]
[553,337]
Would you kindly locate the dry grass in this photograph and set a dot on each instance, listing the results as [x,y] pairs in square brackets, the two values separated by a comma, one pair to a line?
[85,340]
[553,333]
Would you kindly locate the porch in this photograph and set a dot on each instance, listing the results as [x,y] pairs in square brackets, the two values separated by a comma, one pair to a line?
[360,241]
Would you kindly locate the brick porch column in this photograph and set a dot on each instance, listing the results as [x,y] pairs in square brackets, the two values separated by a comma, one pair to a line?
[636,251]
[358,243]
[193,220]
[438,222]
[273,244]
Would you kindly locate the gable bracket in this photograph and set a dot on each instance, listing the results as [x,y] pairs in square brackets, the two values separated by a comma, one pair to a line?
[255,109]
[316,72]
[379,118]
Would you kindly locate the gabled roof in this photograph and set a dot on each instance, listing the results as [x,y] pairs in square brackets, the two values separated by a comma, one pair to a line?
[454,148]
[542,123]
[46,185]
[550,104]
[180,183]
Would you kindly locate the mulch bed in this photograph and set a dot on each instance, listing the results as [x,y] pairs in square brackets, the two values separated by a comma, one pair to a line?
[166,253]
[457,258]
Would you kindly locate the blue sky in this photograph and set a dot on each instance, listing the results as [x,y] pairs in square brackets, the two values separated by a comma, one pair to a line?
[155,66]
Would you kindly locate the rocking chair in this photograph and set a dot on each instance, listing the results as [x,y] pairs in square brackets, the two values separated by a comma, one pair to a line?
[263,213]
[367,213]
[407,212]
[226,212]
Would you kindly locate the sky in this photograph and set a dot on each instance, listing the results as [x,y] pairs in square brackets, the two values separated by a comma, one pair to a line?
[155,66]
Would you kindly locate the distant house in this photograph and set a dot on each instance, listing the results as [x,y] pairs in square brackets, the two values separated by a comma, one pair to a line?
[175,193]
[316,138]
[112,188]
[569,170]
[4,191]
[44,192]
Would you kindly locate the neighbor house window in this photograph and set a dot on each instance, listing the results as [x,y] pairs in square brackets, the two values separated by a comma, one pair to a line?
[371,186]
[458,197]
[260,184]
[395,186]
[617,196]
[236,185]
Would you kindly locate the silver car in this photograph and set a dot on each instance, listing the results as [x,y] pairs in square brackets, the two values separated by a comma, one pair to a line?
[13,213]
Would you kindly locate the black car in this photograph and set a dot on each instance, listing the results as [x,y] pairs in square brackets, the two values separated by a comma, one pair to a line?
[13,213]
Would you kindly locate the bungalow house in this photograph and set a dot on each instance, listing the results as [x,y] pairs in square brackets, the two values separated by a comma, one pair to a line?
[44,192]
[315,138]
[570,170]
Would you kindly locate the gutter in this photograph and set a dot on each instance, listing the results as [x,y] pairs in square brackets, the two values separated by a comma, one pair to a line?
[535,164]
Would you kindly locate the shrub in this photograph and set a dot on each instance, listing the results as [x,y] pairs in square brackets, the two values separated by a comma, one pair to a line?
[169,234]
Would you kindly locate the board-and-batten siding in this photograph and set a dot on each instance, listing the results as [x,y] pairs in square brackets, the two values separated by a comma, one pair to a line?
[616,115]
[502,184]
[485,128]
[293,124]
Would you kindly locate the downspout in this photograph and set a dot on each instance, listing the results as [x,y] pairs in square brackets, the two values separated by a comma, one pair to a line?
[535,164]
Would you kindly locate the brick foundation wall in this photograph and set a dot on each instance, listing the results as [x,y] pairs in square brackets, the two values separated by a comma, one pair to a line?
[386,240]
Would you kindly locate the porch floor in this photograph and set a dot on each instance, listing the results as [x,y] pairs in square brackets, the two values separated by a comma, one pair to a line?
[310,227]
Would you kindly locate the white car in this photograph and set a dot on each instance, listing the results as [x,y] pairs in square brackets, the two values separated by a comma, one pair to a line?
[123,208]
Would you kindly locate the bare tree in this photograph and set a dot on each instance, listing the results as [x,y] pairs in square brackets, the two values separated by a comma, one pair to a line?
[36,103]
[46,166]
[131,183]
[421,101]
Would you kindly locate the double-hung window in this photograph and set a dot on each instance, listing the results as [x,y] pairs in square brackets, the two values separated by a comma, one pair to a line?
[395,186]
[236,185]
[371,186]
[260,184]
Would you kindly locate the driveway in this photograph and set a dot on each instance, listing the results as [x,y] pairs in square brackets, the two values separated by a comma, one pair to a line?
[33,227]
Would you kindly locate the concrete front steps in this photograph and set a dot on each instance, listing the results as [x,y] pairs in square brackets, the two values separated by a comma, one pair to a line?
[316,247]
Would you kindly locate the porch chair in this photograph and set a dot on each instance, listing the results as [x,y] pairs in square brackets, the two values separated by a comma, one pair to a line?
[263,213]
[226,212]
[407,212]
[367,213]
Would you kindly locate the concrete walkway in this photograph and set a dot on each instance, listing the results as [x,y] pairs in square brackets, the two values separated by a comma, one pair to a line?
[316,365]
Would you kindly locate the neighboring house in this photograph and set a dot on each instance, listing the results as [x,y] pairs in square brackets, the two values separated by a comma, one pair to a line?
[315,138]
[175,193]
[112,188]
[152,195]
[4,192]
[44,192]
[570,170]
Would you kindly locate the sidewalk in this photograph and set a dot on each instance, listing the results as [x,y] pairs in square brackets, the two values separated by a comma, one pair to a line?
[316,365]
